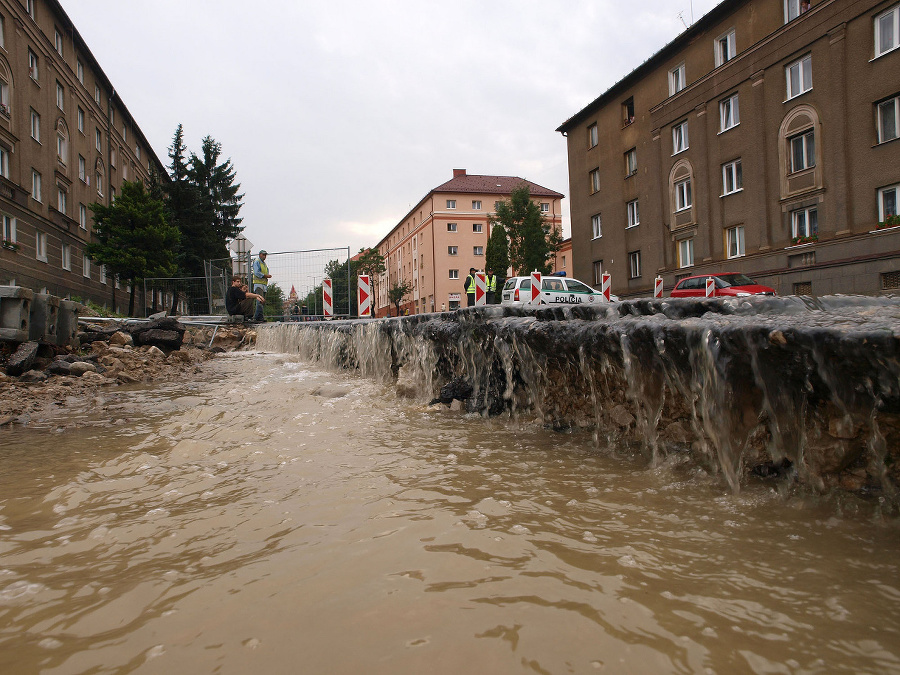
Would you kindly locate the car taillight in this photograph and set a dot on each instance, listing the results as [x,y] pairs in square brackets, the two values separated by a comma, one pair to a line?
[517,295]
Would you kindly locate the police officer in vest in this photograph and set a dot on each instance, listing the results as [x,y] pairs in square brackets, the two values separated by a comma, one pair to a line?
[470,288]
[490,286]
[261,278]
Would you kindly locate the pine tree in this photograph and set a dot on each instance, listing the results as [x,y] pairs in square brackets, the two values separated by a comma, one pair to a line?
[220,202]
[532,240]
[496,254]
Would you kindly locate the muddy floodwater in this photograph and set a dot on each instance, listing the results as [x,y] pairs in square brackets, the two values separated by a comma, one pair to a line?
[276,517]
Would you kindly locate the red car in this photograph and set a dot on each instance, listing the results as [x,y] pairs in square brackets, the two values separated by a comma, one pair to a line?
[727,285]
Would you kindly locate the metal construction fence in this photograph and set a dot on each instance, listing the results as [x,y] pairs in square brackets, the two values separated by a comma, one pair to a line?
[295,289]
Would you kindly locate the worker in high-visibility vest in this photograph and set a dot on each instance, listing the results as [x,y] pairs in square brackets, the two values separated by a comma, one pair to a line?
[260,282]
[470,288]
[490,286]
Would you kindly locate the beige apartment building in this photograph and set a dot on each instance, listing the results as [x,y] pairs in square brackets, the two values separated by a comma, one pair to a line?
[66,140]
[762,140]
[444,235]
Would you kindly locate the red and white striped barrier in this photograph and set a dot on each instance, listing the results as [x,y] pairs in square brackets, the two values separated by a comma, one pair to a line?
[605,284]
[327,302]
[658,288]
[535,287]
[364,294]
[710,287]
[480,289]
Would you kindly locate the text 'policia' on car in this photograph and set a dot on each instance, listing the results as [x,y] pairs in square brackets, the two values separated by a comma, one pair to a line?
[555,290]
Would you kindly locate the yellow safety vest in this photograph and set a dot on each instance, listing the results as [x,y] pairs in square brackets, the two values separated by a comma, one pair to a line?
[470,284]
[492,283]
[265,270]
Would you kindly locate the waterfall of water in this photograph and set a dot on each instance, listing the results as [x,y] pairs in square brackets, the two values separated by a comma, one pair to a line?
[738,383]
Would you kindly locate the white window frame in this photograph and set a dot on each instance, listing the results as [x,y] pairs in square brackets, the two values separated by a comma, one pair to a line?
[634,264]
[103,274]
[596,226]
[794,8]
[58,42]
[677,79]
[62,148]
[8,231]
[35,185]
[451,227]
[29,7]
[62,199]
[60,97]
[98,140]
[476,203]
[454,274]
[477,227]
[725,47]
[82,216]
[890,17]
[808,149]
[97,94]
[595,181]
[881,194]
[40,245]
[680,141]
[729,113]
[634,214]
[733,174]
[79,71]
[33,65]
[35,125]
[684,195]
[453,250]
[593,136]
[82,169]
[66,256]
[892,105]
[451,203]
[686,253]
[803,68]
[734,242]
[545,207]
[803,215]
[630,162]
[4,162]
[597,268]
[86,266]
[478,250]
[80,119]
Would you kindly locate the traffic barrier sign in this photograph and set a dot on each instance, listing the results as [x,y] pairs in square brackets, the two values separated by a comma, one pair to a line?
[535,287]
[365,296]
[327,298]
[480,289]
[658,288]
[605,284]
[710,287]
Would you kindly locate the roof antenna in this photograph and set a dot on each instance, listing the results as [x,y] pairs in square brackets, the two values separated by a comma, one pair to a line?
[681,16]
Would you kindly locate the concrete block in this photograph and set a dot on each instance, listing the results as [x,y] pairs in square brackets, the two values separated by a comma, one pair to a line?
[15,313]
[67,325]
[44,317]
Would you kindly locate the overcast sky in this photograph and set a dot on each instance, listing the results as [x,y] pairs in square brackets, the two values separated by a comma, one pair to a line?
[339,116]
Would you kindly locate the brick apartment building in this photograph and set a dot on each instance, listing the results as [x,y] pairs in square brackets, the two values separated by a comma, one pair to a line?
[763,140]
[444,235]
[66,140]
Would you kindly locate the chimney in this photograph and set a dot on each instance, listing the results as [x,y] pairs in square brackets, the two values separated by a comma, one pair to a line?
[459,173]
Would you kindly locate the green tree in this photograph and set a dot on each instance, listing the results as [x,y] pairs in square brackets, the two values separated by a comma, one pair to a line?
[532,240]
[398,291]
[341,302]
[183,209]
[371,262]
[496,254]
[133,239]
[274,307]
[220,203]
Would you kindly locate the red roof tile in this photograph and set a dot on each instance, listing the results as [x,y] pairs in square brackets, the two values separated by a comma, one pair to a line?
[502,185]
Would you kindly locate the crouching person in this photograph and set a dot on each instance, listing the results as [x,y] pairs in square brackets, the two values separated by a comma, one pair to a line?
[238,301]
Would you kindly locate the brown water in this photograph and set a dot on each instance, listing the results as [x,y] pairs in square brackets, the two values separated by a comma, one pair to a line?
[280,518]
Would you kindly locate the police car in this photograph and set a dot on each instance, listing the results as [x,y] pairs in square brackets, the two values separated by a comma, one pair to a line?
[555,290]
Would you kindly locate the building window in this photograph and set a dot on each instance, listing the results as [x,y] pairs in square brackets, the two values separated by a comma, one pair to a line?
[454,274]
[99,177]
[545,207]
[62,147]
[593,136]
[98,140]
[680,138]
[598,272]
[80,120]
[732,177]
[4,162]
[476,203]
[35,126]
[686,253]
[2,32]
[734,242]
[82,169]
[452,250]
[683,197]
[86,266]
[103,274]
[631,162]
[887,202]
[40,246]
[477,227]
[62,199]
[799,77]
[60,97]
[887,31]
[451,227]
[628,111]
[478,250]
[677,79]
[66,257]
[451,203]
[887,115]
[729,115]
[725,48]
[596,226]
[794,8]
[804,223]
[29,7]
[137,152]
[634,217]
[634,264]
[595,181]
[9,228]
[82,216]
[79,70]
[58,42]
[4,93]
[803,151]
[32,65]
[125,133]
[97,94]
[35,185]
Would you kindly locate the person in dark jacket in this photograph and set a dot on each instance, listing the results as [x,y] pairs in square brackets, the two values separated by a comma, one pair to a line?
[470,288]
[238,301]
